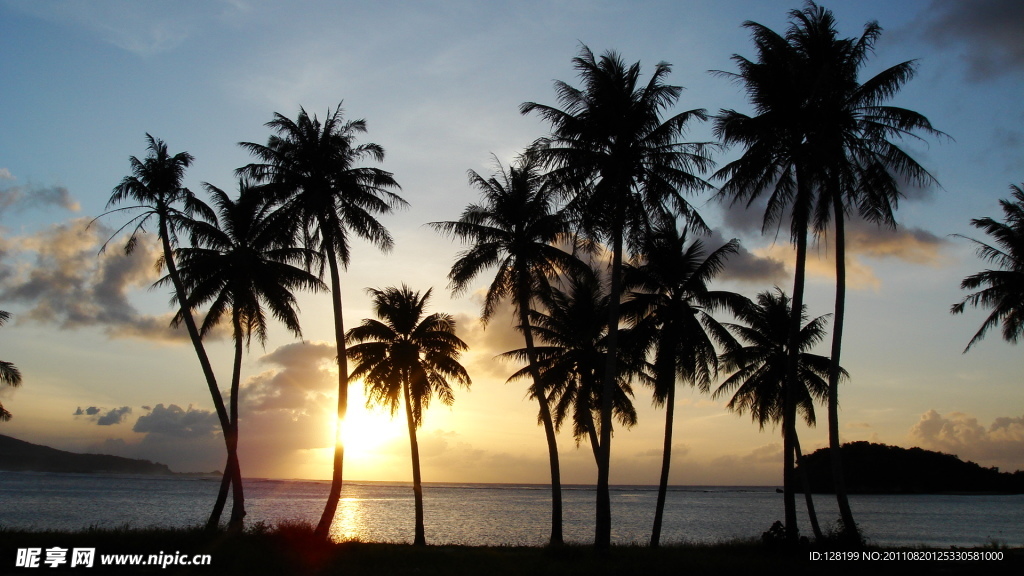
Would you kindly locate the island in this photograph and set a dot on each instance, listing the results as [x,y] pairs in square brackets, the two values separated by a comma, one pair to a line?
[18,455]
[882,469]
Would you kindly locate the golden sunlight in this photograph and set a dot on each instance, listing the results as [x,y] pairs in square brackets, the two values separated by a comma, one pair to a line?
[367,433]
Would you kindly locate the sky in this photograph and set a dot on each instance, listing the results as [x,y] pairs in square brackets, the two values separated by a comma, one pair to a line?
[439,84]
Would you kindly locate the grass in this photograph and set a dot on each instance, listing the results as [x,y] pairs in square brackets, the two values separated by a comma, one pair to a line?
[290,548]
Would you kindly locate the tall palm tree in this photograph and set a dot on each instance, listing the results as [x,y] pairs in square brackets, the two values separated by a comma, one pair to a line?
[571,359]
[759,381]
[1001,290]
[155,192]
[240,262]
[611,148]
[859,164]
[671,303]
[407,358]
[514,229]
[778,157]
[313,170]
[9,374]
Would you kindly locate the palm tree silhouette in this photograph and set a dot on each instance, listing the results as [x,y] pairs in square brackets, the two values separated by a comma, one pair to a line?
[9,374]
[861,167]
[572,358]
[241,261]
[407,358]
[621,162]
[1001,290]
[155,190]
[759,381]
[514,229]
[670,303]
[312,169]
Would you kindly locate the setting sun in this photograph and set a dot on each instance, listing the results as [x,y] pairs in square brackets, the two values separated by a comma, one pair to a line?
[369,434]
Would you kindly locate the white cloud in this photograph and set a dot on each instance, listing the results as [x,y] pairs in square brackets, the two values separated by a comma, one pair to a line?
[959,433]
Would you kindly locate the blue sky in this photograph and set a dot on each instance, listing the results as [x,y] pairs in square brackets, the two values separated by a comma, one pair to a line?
[439,84]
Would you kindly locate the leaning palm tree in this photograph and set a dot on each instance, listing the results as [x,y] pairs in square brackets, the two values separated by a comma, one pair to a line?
[1001,290]
[671,304]
[155,192]
[621,161]
[406,358]
[571,358]
[9,373]
[515,229]
[313,170]
[240,263]
[759,381]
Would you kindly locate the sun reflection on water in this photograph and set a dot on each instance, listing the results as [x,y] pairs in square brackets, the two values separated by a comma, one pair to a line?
[349,521]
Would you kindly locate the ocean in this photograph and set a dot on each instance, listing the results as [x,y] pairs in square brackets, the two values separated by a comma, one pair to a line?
[497,514]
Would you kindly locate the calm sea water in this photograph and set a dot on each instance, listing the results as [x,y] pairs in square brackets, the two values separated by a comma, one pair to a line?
[495,514]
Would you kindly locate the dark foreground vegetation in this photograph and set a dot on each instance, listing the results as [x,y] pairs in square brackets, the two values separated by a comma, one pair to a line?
[881,469]
[293,549]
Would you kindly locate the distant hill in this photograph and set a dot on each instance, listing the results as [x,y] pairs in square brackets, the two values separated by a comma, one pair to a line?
[882,469]
[23,456]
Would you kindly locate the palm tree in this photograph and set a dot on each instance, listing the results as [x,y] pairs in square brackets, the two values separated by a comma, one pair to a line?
[407,358]
[759,382]
[622,162]
[515,229]
[572,357]
[9,374]
[670,304]
[312,169]
[777,157]
[239,262]
[1001,290]
[861,166]
[155,190]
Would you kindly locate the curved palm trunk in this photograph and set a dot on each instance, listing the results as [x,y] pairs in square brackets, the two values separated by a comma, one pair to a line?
[417,485]
[545,418]
[838,477]
[805,479]
[222,497]
[793,350]
[237,496]
[197,345]
[666,459]
[323,528]
[232,476]
[603,524]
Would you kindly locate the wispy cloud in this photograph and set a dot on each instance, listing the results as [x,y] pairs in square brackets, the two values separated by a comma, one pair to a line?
[16,199]
[988,31]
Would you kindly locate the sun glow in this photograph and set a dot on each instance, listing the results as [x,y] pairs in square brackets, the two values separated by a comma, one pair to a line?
[368,435]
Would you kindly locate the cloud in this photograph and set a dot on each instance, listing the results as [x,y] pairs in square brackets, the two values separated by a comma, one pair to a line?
[747,266]
[142,28]
[17,199]
[173,421]
[865,242]
[288,408]
[61,275]
[1001,444]
[988,31]
[113,416]
[913,245]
